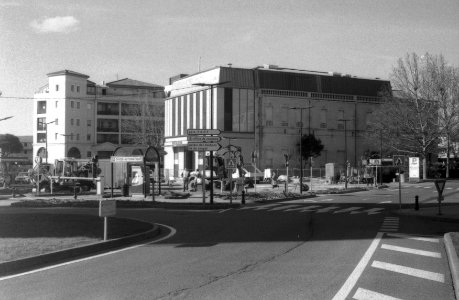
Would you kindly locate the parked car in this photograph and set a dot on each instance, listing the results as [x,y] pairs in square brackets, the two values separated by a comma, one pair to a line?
[22,177]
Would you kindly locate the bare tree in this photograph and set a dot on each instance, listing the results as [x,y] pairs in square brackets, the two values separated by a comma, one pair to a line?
[420,110]
[143,124]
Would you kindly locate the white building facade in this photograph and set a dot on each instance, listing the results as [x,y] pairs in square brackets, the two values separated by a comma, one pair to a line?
[75,118]
[253,108]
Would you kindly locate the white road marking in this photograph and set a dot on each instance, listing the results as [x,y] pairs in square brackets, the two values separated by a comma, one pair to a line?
[449,188]
[418,238]
[355,275]
[363,294]
[311,207]
[324,200]
[382,202]
[388,229]
[283,207]
[222,211]
[411,251]
[266,206]
[326,209]
[309,201]
[346,210]
[173,232]
[427,187]
[370,211]
[409,271]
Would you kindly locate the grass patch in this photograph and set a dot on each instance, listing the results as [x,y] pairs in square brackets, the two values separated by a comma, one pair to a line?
[24,235]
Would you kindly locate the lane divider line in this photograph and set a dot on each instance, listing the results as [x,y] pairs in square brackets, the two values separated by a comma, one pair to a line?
[358,270]
[409,271]
[411,250]
[363,294]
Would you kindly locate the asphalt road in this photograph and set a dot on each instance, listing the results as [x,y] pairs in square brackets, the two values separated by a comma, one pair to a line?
[293,250]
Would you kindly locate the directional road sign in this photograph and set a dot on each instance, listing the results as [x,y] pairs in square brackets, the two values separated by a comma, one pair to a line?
[203,139]
[375,162]
[204,146]
[203,131]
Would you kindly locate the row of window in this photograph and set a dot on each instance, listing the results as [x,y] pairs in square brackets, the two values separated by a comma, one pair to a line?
[72,88]
[41,137]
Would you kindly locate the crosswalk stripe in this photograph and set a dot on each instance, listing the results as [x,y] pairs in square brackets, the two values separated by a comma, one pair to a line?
[382,202]
[326,209]
[409,271]
[267,206]
[411,250]
[363,294]
[283,207]
[311,207]
[346,210]
[388,229]
[418,238]
[371,211]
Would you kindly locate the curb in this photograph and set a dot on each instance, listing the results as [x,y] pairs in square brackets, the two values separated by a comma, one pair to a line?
[433,218]
[29,263]
[453,261]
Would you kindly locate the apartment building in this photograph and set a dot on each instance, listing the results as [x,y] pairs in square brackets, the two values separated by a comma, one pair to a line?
[264,109]
[77,118]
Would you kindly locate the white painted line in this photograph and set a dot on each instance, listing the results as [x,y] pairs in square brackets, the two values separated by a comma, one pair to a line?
[449,188]
[411,251]
[371,211]
[327,209]
[382,202]
[409,271]
[266,206]
[283,207]
[173,232]
[391,218]
[388,229]
[389,226]
[355,275]
[325,200]
[222,211]
[309,201]
[418,238]
[427,187]
[311,207]
[347,210]
[363,294]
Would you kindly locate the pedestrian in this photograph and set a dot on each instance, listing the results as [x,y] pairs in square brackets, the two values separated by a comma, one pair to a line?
[186,179]
[274,179]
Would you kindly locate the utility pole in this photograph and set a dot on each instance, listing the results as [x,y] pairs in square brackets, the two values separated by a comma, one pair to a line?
[345,151]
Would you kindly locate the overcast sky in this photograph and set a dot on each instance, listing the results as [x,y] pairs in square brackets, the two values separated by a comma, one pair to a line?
[154,40]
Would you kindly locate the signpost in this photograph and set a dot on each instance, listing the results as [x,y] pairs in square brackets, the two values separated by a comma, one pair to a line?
[376,162]
[204,146]
[106,208]
[440,185]
[204,139]
[399,161]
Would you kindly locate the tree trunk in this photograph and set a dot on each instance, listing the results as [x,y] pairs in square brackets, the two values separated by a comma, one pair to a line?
[447,158]
[424,168]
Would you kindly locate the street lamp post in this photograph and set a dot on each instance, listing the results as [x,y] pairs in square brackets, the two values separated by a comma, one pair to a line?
[301,144]
[46,139]
[345,151]
[211,166]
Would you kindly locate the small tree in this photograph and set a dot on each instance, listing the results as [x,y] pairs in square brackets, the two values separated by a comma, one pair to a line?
[8,144]
[310,146]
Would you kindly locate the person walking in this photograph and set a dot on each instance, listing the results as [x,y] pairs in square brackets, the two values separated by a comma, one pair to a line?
[186,179]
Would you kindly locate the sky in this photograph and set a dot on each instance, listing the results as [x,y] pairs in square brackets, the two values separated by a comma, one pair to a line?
[152,41]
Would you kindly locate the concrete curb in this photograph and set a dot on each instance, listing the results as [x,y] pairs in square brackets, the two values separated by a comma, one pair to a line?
[433,218]
[453,261]
[40,261]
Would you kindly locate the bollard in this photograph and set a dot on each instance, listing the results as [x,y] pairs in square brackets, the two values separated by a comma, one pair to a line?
[416,202]
[14,192]
[243,197]
[74,190]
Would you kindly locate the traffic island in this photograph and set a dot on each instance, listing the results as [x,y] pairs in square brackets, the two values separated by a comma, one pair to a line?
[44,239]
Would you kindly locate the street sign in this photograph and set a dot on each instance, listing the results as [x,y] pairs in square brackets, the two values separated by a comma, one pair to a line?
[399,160]
[375,162]
[204,146]
[203,131]
[203,139]
[231,163]
[122,159]
[107,208]
[440,185]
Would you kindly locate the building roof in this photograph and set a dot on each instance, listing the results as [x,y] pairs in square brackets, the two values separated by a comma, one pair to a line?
[127,82]
[67,72]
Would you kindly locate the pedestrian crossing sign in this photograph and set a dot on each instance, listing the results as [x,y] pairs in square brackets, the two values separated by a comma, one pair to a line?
[231,163]
[399,160]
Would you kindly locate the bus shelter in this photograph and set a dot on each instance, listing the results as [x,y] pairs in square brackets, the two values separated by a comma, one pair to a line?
[139,166]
